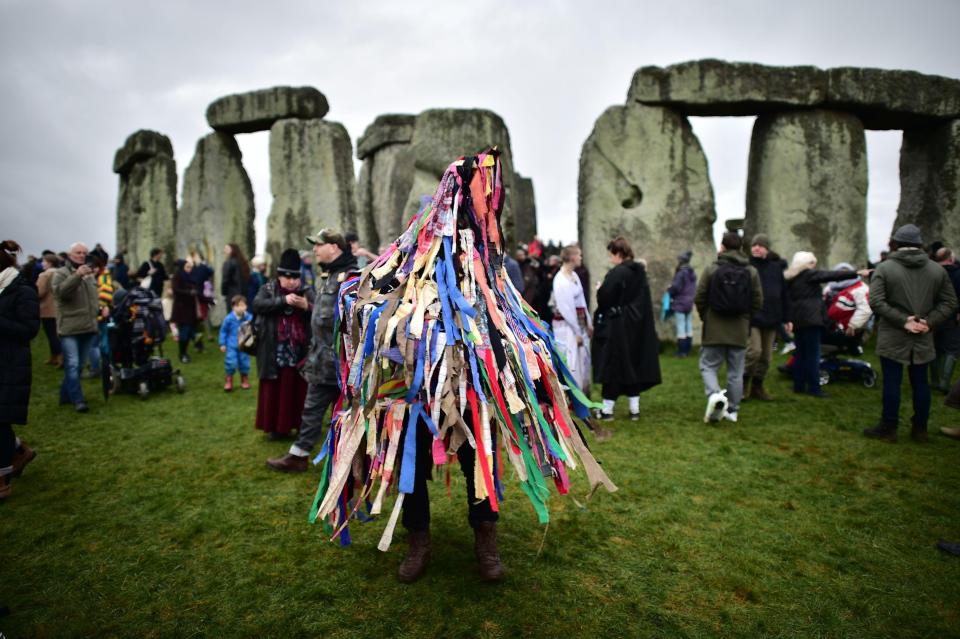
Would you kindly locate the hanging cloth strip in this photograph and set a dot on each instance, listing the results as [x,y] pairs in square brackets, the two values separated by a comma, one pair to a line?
[431,331]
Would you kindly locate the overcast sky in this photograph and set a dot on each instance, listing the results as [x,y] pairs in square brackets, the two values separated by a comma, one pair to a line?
[79,77]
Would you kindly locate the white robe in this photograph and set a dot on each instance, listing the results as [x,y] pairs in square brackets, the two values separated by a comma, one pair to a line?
[567,297]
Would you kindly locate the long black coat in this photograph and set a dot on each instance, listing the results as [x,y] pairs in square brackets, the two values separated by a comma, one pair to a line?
[946,337]
[268,305]
[19,323]
[625,346]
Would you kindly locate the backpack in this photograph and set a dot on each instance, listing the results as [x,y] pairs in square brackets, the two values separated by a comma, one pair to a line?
[730,291]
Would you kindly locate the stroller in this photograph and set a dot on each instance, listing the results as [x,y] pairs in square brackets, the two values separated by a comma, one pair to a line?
[835,363]
[136,327]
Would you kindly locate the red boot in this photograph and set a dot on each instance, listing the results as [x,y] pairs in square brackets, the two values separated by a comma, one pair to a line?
[244,382]
[228,385]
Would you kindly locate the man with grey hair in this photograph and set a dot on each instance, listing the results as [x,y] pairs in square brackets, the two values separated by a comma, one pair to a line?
[74,287]
[911,296]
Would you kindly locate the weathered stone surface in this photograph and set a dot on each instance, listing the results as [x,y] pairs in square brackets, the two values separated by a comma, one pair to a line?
[440,136]
[886,99]
[382,189]
[147,204]
[807,185]
[388,129]
[523,222]
[139,146]
[311,176]
[930,182]
[259,110]
[216,206]
[643,175]
[881,98]
[716,87]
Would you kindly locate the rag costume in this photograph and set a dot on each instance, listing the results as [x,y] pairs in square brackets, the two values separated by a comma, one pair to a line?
[435,342]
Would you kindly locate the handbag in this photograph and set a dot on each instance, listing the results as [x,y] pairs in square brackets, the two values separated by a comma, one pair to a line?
[247,338]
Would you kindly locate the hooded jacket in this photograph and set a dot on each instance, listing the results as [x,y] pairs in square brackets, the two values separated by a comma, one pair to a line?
[909,283]
[724,330]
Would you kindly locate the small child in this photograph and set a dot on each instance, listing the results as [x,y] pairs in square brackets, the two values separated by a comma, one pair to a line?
[228,343]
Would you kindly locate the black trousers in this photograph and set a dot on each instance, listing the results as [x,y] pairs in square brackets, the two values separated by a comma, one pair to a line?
[416,505]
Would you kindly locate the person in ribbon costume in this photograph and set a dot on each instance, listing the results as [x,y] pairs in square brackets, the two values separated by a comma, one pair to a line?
[440,355]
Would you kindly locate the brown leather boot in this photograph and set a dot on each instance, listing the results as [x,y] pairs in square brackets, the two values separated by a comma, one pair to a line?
[757,391]
[289,463]
[485,546]
[21,458]
[5,487]
[918,432]
[418,556]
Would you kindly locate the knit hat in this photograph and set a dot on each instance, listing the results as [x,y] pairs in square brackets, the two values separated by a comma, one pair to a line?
[684,258]
[289,263]
[908,234]
[761,239]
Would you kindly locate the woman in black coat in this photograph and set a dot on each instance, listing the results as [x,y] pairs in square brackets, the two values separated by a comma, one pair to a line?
[282,307]
[808,315]
[19,323]
[234,274]
[626,353]
[184,313]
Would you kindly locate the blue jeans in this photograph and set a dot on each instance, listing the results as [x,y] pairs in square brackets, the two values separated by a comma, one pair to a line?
[684,324]
[97,346]
[76,349]
[806,363]
[919,384]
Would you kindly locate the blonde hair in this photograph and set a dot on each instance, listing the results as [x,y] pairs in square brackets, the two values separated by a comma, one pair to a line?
[802,261]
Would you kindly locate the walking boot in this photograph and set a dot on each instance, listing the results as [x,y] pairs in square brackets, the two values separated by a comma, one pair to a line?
[882,431]
[289,463]
[946,374]
[23,456]
[485,546]
[228,384]
[418,556]
[918,432]
[245,382]
[757,391]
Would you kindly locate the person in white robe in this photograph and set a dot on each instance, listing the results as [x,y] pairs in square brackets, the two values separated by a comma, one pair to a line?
[572,325]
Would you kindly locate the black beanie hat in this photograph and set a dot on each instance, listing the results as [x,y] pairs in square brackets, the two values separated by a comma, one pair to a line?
[289,263]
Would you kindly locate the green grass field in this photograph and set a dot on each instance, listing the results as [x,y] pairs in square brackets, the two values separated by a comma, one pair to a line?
[159,519]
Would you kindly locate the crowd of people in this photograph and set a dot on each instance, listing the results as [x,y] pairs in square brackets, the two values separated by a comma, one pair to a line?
[747,299]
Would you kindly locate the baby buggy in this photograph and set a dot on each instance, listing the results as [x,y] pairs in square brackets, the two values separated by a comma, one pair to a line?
[839,361]
[137,328]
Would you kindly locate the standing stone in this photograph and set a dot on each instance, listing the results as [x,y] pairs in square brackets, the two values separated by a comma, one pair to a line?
[643,175]
[147,201]
[524,207]
[311,176]
[259,110]
[440,136]
[807,185]
[385,178]
[930,182]
[217,206]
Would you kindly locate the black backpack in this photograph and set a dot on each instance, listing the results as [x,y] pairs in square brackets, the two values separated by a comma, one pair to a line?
[730,291]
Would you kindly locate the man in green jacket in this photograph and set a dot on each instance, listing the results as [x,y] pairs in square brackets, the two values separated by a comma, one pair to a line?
[74,287]
[911,295]
[728,294]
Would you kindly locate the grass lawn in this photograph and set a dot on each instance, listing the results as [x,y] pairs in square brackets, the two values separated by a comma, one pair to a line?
[159,518]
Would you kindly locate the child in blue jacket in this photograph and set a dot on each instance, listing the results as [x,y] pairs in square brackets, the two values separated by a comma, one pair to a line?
[228,343]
